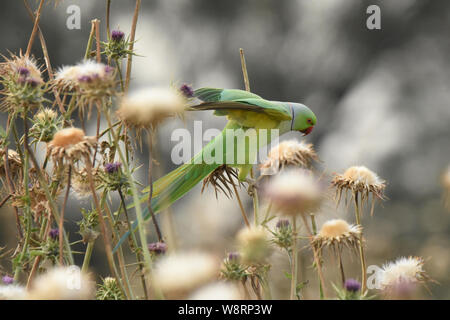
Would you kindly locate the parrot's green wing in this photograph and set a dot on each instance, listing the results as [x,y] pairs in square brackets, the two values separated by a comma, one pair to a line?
[248,109]
[215,94]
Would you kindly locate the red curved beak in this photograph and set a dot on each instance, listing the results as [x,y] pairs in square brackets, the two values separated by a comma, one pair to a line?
[307,130]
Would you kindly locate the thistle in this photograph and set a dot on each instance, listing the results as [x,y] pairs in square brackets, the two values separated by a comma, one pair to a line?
[337,234]
[232,268]
[282,235]
[289,153]
[360,182]
[22,84]
[117,46]
[45,124]
[294,192]
[109,290]
[403,271]
[176,275]
[146,108]
[253,245]
[70,144]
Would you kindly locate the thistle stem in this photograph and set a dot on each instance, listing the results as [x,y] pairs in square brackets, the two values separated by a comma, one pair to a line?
[294,266]
[87,256]
[35,28]
[150,183]
[108,249]
[361,245]
[61,220]
[135,245]
[130,48]
[316,255]
[314,230]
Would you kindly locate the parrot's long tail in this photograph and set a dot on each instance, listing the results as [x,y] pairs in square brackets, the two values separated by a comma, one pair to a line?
[170,188]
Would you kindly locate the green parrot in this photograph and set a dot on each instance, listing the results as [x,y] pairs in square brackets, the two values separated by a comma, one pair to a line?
[244,110]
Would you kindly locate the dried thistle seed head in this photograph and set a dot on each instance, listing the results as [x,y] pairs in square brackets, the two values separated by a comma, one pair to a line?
[14,162]
[146,108]
[338,232]
[178,274]
[92,80]
[18,67]
[289,153]
[222,180]
[294,191]
[38,201]
[53,285]
[70,144]
[253,244]
[217,291]
[359,181]
[403,270]
[66,78]
[80,182]
[22,84]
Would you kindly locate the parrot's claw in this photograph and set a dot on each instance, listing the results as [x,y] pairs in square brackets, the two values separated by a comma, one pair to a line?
[252,186]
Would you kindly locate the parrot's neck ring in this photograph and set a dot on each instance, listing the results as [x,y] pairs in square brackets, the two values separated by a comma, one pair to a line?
[292,112]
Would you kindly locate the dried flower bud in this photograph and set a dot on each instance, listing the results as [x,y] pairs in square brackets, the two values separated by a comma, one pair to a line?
[117,35]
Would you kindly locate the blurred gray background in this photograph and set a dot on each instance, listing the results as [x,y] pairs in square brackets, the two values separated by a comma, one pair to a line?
[381,98]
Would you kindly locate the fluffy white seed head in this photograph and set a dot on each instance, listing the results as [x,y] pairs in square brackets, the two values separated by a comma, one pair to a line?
[147,107]
[403,270]
[178,274]
[62,283]
[295,191]
[217,291]
[12,292]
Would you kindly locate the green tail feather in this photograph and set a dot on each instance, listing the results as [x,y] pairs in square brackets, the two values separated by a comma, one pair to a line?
[170,188]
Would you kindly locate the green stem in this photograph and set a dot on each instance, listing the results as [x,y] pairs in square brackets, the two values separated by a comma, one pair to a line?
[361,245]
[293,295]
[140,219]
[314,229]
[87,256]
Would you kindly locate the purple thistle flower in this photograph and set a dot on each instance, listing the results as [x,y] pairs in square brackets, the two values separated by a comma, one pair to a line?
[157,247]
[85,79]
[187,90]
[54,233]
[7,279]
[234,256]
[117,35]
[32,82]
[23,71]
[352,285]
[112,167]
[283,223]
[109,69]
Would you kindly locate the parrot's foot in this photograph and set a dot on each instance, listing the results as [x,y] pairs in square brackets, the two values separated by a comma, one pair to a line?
[252,186]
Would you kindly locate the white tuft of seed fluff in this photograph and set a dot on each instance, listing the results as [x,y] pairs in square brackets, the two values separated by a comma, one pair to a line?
[182,272]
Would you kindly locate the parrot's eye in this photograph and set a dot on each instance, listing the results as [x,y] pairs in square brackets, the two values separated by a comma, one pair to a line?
[309,121]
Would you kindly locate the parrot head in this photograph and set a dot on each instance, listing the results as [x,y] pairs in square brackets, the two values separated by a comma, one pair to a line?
[303,119]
